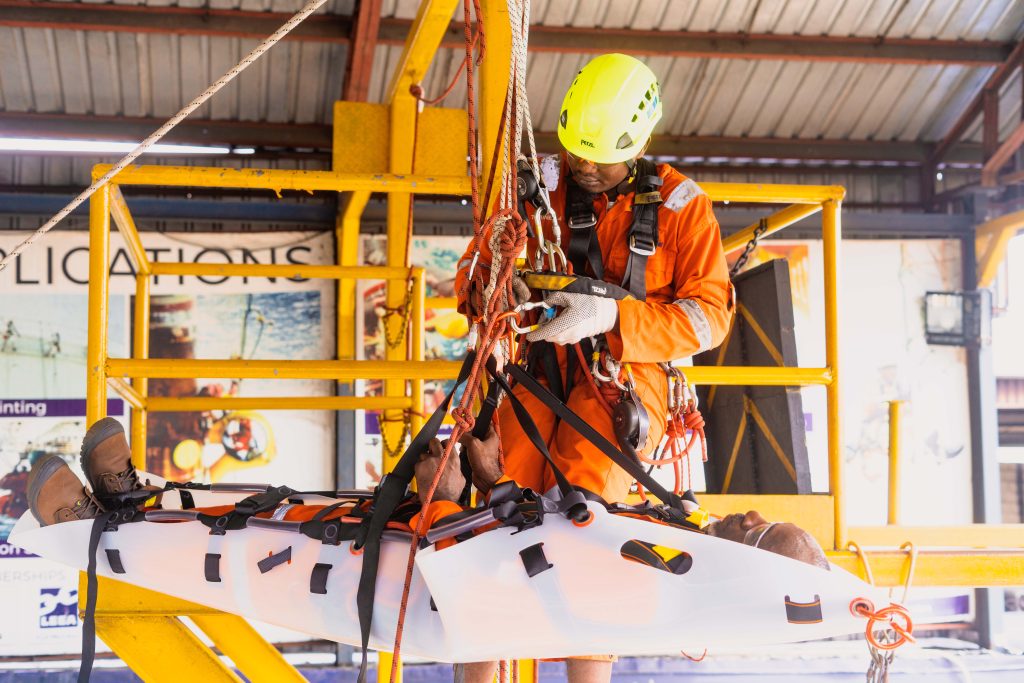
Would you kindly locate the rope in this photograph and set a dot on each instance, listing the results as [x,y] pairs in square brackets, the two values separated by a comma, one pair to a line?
[256,53]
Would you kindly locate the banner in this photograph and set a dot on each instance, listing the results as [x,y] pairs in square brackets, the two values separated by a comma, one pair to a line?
[43,340]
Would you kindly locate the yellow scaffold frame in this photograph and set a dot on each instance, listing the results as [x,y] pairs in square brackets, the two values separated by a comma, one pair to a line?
[131,619]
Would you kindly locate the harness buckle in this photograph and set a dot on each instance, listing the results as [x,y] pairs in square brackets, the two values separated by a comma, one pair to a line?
[582,222]
[645,248]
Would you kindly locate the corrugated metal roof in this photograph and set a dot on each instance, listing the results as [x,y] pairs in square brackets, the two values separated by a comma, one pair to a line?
[110,74]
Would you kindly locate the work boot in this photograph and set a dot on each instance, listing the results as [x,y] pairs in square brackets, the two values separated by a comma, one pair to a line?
[107,460]
[56,495]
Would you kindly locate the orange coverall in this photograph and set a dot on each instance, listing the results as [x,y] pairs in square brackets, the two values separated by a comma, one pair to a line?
[688,310]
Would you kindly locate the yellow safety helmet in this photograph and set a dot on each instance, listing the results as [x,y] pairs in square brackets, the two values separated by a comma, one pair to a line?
[610,110]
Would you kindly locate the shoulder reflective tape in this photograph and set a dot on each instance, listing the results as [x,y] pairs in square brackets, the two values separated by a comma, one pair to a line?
[268,563]
[114,560]
[318,579]
[551,171]
[682,195]
[699,321]
[211,567]
[534,560]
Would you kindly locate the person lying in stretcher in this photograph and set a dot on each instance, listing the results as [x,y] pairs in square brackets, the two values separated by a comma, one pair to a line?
[57,495]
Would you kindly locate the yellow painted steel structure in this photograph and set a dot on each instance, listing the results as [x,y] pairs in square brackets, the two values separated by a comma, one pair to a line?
[991,240]
[401,149]
[895,408]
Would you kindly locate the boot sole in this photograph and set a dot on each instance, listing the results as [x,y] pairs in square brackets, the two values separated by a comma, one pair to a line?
[97,434]
[40,474]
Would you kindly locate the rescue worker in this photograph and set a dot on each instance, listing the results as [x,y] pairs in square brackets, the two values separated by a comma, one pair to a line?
[679,279]
[605,126]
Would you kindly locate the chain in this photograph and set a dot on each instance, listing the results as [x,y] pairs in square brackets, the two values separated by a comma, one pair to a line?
[402,310]
[388,451]
[762,228]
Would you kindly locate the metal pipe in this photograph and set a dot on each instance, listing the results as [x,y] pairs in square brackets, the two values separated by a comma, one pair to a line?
[127,392]
[126,226]
[757,376]
[343,370]
[831,230]
[442,302]
[282,270]
[140,349]
[894,462]
[775,222]
[196,403]
[772,193]
[99,295]
[347,237]
[277,180]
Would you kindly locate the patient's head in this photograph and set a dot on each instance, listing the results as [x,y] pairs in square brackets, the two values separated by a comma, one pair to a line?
[782,538]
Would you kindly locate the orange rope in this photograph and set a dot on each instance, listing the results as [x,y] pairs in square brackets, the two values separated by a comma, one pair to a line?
[891,617]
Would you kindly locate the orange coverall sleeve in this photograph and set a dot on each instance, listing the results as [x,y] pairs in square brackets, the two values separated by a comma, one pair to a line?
[699,317]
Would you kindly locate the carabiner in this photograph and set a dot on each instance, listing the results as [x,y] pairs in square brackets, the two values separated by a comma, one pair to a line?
[529,306]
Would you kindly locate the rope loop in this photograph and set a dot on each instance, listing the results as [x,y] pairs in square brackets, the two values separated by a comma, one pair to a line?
[894,619]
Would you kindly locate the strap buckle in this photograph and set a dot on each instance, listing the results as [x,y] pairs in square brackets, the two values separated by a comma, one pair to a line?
[581,222]
[646,247]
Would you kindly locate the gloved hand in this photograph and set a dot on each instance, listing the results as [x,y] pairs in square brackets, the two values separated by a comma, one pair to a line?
[583,315]
[451,483]
[483,459]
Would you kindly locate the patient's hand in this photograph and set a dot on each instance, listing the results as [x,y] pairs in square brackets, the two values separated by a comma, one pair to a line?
[450,486]
[483,459]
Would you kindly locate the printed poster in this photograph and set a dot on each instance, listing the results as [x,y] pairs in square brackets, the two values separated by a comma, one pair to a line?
[43,338]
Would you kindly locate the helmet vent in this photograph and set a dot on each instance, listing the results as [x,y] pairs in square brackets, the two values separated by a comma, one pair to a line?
[624,142]
[642,105]
[564,118]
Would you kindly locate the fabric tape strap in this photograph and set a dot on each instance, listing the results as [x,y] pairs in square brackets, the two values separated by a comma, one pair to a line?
[389,495]
[99,524]
[632,467]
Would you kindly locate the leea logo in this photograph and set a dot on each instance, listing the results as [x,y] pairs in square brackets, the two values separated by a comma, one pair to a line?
[58,607]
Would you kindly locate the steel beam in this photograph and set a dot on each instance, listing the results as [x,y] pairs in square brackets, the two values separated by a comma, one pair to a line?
[1002,154]
[559,39]
[943,150]
[318,137]
[359,67]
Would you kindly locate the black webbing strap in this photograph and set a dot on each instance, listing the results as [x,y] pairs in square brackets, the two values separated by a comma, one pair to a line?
[275,560]
[99,524]
[237,518]
[572,500]
[584,249]
[318,579]
[534,560]
[632,467]
[211,567]
[643,233]
[542,356]
[114,560]
[390,493]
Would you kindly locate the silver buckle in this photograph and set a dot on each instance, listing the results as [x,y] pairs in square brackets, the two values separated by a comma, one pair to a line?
[583,225]
[640,251]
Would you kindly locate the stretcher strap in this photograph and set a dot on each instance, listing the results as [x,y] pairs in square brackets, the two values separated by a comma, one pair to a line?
[275,560]
[563,411]
[572,500]
[92,586]
[390,493]
[318,579]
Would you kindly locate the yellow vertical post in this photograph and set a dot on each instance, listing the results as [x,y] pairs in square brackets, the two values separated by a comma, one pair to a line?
[99,297]
[494,76]
[528,671]
[347,236]
[831,230]
[417,321]
[432,20]
[894,461]
[140,349]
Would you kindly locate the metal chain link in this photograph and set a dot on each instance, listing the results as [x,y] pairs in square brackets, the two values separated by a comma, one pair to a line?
[402,310]
[761,229]
[386,448]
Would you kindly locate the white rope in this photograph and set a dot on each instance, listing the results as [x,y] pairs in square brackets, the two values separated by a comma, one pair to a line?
[257,52]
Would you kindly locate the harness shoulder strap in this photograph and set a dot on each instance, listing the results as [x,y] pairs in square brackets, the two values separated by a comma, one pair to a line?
[579,215]
[643,233]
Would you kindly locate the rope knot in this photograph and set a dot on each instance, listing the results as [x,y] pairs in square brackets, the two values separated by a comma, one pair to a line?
[464,419]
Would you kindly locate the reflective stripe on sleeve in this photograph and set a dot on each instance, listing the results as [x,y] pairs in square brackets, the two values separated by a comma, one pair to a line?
[699,321]
[682,195]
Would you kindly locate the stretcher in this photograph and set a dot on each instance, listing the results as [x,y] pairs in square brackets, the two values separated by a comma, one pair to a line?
[613,584]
